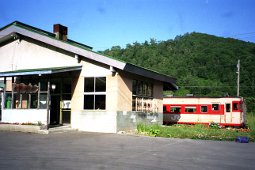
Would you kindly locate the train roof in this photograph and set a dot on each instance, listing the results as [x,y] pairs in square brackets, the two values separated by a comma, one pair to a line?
[204,97]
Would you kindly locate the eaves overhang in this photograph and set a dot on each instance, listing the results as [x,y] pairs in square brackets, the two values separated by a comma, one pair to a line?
[168,81]
[40,71]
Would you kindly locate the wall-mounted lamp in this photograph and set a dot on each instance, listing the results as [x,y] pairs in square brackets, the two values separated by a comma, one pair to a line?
[53,87]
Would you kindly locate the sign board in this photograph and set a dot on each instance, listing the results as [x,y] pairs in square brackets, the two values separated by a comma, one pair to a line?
[66,104]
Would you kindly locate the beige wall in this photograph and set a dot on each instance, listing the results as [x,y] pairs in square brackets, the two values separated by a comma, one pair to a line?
[119,93]
[158,96]
[77,101]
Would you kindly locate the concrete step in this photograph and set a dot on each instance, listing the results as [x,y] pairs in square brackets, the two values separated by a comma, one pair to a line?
[61,129]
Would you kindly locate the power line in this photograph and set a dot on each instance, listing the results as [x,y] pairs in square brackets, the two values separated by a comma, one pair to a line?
[213,86]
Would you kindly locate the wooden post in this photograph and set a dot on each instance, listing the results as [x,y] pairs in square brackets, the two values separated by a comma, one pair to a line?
[29,101]
[38,96]
[61,101]
[48,104]
[12,100]
[4,95]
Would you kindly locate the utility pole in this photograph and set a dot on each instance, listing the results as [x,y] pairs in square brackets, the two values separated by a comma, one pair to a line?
[238,77]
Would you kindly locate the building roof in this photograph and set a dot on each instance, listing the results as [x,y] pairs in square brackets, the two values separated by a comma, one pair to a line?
[40,71]
[45,33]
[16,29]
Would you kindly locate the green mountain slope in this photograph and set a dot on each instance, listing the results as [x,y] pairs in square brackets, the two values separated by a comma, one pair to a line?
[204,65]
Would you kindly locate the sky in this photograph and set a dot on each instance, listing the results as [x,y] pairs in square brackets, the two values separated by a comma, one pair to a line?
[106,23]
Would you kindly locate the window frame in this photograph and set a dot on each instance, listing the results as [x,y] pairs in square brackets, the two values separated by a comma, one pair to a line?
[95,94]
[175,109]
[202,109]
[142,96]
[188,108]
[228,107]
[218,107]
[237,106]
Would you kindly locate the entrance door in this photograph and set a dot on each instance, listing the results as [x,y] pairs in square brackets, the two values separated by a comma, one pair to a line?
[55,110]
[66,110]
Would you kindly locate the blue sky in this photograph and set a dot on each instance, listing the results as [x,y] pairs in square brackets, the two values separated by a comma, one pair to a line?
[106,23]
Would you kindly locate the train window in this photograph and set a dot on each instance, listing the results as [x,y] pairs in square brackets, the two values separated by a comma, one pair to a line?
[190,109]
[164,108]
[235,106]
[228,107]
[215,107]
[175,109]
[204,109]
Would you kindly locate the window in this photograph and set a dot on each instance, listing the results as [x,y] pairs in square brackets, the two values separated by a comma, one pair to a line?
[215,107]
[164,109]
[235,106]
[204,109]
[142,96]
[227,107]
[190,109]
[175,109]
[94,93]
[89,85]
[23,96]
[142,88]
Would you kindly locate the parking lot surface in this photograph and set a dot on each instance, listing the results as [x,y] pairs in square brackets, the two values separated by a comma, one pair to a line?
[82,150]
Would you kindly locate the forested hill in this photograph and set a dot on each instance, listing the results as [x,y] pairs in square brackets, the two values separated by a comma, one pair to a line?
[203,64]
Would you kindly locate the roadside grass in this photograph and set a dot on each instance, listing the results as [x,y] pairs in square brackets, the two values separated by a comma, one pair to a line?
[251,123]
[200,131]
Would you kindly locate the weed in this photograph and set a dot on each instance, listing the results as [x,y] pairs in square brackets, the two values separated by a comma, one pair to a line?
[214,125]
[39,123]
[199,131]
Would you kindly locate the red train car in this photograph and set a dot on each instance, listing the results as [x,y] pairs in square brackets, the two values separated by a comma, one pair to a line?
[226,111]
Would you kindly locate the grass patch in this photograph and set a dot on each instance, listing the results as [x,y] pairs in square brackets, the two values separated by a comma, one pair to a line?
[251,123]
[199,131]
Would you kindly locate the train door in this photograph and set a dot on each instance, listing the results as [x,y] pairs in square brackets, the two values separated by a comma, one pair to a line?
[237,112]
[227,113]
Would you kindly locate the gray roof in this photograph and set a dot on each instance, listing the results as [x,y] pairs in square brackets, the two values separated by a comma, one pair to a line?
[40,71]
[16,29]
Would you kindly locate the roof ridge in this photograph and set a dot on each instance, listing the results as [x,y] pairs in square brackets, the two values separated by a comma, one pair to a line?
[46,33]
[23,25]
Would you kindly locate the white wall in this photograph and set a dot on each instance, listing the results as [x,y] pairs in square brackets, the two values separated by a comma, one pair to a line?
[24,115]
[98,121]
[25,55]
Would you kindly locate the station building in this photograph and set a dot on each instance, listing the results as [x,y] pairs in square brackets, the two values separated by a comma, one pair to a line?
[49,79]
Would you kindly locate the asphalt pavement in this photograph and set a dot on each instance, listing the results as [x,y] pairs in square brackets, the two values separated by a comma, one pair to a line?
[82,150]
